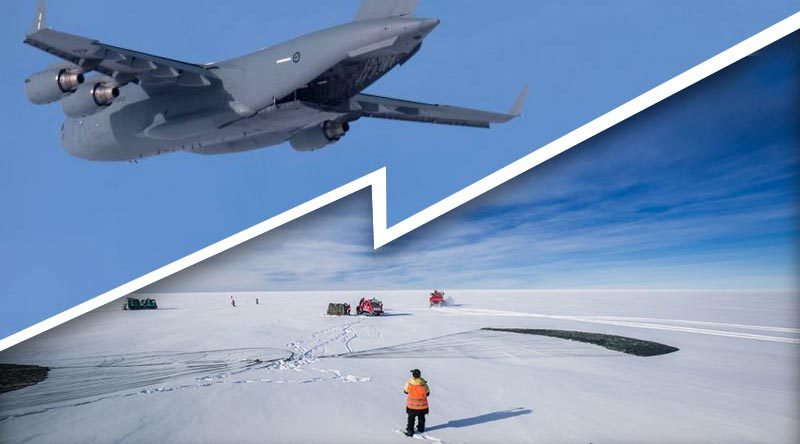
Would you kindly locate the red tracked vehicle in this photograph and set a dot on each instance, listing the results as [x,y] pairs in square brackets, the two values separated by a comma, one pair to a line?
[437,298]
[369,307]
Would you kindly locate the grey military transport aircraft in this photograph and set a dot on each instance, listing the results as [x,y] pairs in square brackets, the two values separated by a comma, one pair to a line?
[305,91]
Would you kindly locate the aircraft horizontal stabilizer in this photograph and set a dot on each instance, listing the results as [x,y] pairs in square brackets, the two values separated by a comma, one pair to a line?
[379,9]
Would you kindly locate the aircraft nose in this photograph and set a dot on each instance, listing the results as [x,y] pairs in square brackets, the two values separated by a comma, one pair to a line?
[427,25]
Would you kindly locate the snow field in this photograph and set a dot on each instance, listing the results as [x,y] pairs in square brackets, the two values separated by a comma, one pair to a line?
[199,370]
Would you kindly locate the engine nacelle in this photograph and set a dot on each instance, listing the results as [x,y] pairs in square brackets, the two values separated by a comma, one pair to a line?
[318,137]
[89,99]
[52,84]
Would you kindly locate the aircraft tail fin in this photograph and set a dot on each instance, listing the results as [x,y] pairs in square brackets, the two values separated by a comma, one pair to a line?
[39,22]
[378,9]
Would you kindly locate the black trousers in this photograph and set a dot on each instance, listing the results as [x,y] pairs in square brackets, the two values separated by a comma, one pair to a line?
[419,417]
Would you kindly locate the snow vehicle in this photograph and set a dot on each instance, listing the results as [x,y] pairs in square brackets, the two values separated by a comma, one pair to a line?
[139,304]
[370,307]
[437,298]
[131,304]
[338,309]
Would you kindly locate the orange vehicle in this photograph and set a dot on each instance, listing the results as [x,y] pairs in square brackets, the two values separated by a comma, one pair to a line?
[437,298]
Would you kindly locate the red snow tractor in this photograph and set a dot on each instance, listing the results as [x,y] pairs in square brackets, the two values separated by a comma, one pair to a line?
[437,298]
[369,307]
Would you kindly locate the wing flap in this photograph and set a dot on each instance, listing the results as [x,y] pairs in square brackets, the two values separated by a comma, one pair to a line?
[66,46]
[397,109]
[122,64]
[136,61]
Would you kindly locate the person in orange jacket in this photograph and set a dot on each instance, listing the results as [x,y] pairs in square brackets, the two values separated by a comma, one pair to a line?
[416,402]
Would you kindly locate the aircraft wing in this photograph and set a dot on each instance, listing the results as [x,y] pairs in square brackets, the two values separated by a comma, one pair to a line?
[124,65]
[364,105]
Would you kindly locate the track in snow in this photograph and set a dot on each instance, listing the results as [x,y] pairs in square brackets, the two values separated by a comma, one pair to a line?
[80,381]
[485,344]
[708,328]
[422,437]
[89,379]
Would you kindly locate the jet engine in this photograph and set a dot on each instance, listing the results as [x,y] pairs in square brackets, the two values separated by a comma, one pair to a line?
[89,99]
[52,84]
[320,136]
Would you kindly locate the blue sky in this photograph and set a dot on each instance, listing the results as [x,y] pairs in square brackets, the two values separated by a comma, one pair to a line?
[698,192]
[72,229]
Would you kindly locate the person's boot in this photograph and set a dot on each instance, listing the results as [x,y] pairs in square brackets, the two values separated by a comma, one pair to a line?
[420,429]
[409,434]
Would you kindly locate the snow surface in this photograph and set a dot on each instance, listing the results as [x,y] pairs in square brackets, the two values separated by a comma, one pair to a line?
[200,370]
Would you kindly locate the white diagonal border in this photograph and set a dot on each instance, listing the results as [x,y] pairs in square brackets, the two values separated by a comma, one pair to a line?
[377,181]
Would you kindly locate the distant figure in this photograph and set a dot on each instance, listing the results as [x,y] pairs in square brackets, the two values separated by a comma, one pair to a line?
[233,302]
[256,301]
[417,402]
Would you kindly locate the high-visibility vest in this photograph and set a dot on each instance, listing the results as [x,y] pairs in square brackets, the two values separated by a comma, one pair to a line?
[417,397]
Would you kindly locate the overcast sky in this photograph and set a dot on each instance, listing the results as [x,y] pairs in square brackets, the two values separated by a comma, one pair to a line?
[699,192]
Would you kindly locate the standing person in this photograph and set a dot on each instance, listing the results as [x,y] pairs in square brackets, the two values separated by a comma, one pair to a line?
[416,402]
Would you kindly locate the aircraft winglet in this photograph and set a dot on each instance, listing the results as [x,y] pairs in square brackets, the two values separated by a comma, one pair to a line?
[519,104]
[39,22]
